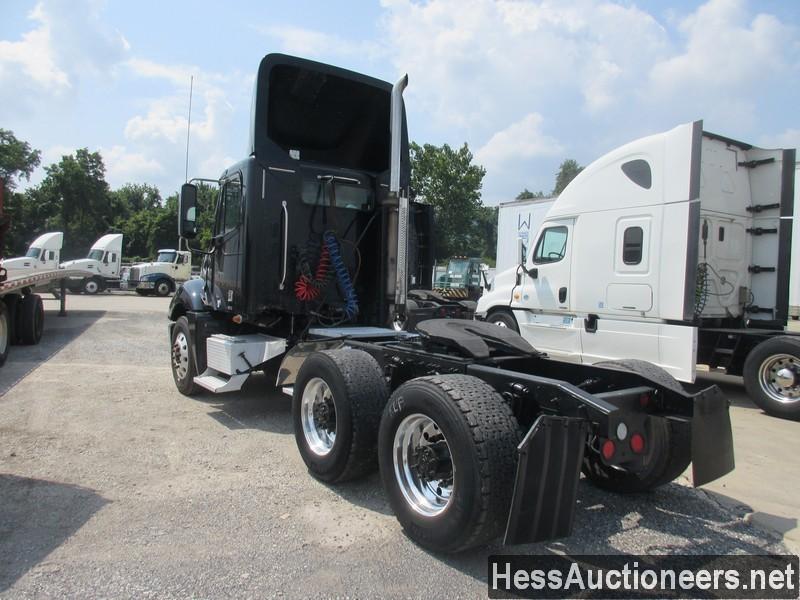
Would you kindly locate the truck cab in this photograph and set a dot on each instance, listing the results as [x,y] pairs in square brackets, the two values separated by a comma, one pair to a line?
[103,261]
[462,278]
[673,249]
[42,255]
[162,275]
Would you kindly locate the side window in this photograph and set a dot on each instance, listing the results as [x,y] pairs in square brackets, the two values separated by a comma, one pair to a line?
[51,255]
[44,255]
[552,245]
[113,257]
[632,245]
[232,204]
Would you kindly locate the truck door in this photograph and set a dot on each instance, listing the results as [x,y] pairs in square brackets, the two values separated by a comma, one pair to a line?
[227,244]
[543,305]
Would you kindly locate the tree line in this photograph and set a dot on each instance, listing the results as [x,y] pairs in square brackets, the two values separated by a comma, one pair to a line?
[75,198]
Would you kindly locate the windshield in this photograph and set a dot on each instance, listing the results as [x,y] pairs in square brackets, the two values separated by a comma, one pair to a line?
[457,268]
[167,257]
[33,252]
[95,255]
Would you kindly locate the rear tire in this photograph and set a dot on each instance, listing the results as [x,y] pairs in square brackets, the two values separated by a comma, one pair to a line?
[5,332]
[772,376]
[336,409]
[30,319]
[182,358]
[503,318]
[453,493]
[669,445]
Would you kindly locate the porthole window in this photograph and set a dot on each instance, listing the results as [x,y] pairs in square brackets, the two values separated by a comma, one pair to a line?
[638,171]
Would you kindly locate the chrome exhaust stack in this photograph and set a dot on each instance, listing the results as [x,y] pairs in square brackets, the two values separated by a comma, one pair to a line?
[397,272]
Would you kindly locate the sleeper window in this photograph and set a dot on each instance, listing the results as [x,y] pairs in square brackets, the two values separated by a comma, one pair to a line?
[632,241]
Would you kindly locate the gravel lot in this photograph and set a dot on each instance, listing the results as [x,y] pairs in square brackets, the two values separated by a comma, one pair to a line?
[112,484]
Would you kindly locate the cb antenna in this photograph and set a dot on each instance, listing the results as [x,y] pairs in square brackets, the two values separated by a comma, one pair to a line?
[188,128]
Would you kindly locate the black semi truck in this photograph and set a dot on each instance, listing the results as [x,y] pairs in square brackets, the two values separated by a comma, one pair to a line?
[477,434]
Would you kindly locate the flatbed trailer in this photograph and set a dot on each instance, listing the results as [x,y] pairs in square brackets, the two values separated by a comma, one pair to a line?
[22,311]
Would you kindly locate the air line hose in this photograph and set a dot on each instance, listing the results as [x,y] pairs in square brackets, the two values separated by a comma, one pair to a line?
[342,275]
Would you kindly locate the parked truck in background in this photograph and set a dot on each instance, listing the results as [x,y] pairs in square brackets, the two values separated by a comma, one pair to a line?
[517,222]
[315,245]
[43,254]
[103,263]
[160,276]
[675,249]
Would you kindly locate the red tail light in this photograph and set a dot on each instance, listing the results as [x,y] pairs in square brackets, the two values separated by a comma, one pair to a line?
[637,443]
[608,449]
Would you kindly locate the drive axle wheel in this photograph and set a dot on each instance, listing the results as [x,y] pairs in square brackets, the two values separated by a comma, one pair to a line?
[182,358]
[447,452]
[772,376]
[336,407]
[668,449]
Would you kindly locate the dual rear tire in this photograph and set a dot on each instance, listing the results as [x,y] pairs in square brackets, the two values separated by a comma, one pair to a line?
[445,445]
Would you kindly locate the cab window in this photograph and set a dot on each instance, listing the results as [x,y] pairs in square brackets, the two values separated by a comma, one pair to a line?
[552,245]
[231,205]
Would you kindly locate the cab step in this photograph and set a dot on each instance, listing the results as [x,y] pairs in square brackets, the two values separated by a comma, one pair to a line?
[219,383]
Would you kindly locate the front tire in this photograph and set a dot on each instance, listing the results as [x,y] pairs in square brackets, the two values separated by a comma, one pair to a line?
[162,288]
[182,358]
[336,408]
[30,319]
[772,376]
[503,318]
[447,453]
[92,286]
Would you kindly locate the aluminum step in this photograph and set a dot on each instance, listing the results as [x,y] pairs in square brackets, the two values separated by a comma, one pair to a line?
[220,383]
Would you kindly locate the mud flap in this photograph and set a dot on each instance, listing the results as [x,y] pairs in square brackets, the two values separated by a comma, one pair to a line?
[550,457]
[712,438]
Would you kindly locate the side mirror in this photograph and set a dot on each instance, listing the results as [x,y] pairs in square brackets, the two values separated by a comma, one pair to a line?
[187,211]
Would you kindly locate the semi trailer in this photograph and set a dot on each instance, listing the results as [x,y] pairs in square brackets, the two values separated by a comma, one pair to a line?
[476,433]
[674,248]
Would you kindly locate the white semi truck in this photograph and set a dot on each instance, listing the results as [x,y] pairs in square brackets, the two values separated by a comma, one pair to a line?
[43,254]
[161,276]
[674,249]
[101,265]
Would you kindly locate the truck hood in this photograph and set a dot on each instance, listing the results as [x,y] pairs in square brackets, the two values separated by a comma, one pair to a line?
[501,293]
[86,264]
[21,262]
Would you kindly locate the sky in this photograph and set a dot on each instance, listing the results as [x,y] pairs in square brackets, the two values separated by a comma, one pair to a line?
[525,83]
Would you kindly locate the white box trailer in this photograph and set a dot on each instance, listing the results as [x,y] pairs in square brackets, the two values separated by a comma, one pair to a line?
[794,279]
[674,249]
[517,222]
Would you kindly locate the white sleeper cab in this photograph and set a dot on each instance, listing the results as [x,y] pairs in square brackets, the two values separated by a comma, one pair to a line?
[103,262]
[673,249]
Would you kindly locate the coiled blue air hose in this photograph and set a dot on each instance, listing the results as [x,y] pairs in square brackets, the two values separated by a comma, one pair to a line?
[342,275]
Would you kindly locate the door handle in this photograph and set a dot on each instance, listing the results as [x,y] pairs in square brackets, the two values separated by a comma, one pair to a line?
[285,243]
[562,294]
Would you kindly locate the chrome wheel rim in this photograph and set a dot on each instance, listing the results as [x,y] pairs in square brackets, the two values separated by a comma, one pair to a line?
[180,356]
[318,416]
[91,287]
[163,289]
[779,378]
[500,324]
[423,465]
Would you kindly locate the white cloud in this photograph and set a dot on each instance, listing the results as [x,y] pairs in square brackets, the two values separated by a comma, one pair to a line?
[519,141]
[67,42]
[316,44]
[124,166]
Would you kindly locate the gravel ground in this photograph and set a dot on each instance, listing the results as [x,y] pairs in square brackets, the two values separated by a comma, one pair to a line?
[112,484]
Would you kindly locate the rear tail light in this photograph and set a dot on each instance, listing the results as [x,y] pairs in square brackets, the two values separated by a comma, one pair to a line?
[608,449]
[637,443]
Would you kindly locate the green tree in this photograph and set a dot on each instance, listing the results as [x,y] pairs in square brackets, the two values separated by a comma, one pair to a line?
[526,194]
[568,170]
[16,159]
[77,185]
[448,180]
